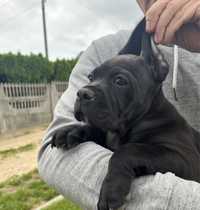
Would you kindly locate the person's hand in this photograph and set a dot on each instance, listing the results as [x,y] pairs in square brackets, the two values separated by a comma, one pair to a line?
[173,21]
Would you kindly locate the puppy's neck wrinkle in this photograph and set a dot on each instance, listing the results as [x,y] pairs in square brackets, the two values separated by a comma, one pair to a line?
[161,114]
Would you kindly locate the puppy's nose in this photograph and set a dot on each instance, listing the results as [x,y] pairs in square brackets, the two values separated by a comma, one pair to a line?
[86,94]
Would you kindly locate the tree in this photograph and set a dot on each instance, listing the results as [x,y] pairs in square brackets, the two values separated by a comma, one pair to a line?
[33,68]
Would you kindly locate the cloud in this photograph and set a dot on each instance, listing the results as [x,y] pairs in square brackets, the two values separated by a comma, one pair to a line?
[72,25]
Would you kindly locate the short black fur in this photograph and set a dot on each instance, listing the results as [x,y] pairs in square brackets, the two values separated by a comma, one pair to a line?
[125,110]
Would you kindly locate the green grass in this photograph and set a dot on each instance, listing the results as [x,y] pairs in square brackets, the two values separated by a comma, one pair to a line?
[63,205]
[11,152]
[24,192]
[27,192]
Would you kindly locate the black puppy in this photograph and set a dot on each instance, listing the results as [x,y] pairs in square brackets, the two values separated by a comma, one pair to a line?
[124,109]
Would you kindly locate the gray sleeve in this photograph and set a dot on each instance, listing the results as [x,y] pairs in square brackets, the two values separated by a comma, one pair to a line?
[78,174]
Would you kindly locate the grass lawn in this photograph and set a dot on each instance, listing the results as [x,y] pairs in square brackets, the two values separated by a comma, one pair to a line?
[63,205]
[11,152]
[28,191]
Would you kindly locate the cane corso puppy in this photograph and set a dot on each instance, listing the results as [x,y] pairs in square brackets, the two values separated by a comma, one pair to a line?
[125,110]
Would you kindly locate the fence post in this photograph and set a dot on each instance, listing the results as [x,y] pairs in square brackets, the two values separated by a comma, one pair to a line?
[22,104]
[51,98]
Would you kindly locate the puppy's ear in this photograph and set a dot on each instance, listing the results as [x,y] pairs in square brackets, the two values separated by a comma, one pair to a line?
[154,58]
[133,45]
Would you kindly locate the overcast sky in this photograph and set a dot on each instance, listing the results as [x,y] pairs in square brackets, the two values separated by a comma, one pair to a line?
[71,24]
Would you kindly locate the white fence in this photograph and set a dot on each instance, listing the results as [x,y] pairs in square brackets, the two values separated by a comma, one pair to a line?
[23,105]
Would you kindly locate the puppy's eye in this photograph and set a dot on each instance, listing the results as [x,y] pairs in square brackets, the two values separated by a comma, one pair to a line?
[91,77]
[120,81]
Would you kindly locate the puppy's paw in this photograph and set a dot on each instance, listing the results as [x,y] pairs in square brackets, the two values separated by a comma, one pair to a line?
[70,136]
[113,195]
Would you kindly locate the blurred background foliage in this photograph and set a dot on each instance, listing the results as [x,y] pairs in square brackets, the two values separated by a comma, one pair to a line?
[18,68]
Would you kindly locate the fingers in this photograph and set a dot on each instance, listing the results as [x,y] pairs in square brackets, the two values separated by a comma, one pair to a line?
[145,4]
[184,15]
[165,17]
[171,10]
[153,14]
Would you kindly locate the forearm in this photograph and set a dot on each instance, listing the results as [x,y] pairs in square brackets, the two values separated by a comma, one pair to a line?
[78,175]
[164,191]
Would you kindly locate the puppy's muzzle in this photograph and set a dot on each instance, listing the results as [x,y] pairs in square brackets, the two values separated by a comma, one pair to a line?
[86,94]
[85,98]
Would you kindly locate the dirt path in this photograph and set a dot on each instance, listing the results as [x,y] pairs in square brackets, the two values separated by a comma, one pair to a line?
[22,162]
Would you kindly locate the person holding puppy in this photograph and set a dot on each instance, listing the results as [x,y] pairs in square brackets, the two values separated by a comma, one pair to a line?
[79,172]
[173,22]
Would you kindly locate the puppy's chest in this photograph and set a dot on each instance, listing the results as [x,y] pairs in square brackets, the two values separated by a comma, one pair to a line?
[113,141]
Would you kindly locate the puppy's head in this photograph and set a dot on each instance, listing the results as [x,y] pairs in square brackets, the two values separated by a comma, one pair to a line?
[122,89]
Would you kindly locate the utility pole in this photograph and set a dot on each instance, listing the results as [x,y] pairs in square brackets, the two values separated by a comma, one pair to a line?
[45,28]
[47,54]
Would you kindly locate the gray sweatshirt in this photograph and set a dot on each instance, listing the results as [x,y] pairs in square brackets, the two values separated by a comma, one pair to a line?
[78,174]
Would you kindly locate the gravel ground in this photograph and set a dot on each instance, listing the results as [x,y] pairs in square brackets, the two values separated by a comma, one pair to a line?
[22,162]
